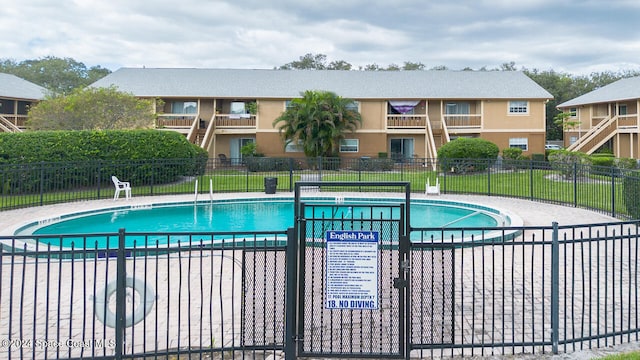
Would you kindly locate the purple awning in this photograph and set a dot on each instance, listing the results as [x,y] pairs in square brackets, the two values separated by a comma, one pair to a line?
[403,107]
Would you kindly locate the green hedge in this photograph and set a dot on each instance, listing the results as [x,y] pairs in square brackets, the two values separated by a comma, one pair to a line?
[89,157]
[455,155]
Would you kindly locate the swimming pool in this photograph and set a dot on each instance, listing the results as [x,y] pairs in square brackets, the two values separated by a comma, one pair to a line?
[243,215]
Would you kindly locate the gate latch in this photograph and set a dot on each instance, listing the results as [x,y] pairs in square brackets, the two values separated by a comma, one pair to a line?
[404,265]
[399,283]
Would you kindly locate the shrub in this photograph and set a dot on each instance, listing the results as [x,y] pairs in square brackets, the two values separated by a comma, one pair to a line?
[257,164]
[538,157]
[603,160]
[512,153]
[569,163]
[46,160]
[456,154]
[513,159]
[380,164]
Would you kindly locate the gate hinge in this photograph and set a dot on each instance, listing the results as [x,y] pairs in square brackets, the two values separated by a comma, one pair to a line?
[400,283]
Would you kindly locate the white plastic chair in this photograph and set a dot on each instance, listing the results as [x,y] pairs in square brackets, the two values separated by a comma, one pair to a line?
[433,190]
[121,186]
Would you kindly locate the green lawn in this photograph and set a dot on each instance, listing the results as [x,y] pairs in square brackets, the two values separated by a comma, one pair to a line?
[595,193]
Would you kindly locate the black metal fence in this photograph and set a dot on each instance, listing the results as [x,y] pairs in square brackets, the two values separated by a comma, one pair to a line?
[547,290]
[189,295]
[587,186]
[551,289]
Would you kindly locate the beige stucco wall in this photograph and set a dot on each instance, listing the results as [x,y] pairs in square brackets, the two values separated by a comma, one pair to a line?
[268,111]
[497,117]
[373,136]
[373,114]
[536,140]
[206,109]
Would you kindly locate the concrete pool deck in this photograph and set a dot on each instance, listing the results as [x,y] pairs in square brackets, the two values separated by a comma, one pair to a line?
[167,272]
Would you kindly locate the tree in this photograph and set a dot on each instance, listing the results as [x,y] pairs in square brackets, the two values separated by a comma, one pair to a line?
[61,76]
[307,62]
[408,65]
[318,121]
[339,65]
[92,109]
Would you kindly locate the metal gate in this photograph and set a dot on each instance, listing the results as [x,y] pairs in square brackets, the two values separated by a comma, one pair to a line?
[352,276]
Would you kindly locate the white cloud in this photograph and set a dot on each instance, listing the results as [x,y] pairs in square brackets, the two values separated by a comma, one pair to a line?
[569,35]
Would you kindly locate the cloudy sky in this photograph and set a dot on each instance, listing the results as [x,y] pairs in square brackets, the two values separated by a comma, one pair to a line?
[572,36]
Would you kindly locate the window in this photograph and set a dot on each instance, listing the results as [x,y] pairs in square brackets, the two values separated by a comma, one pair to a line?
[573,112]
[622,109]
[352,106]
[6,106]
[287,104]
[23,107]
[184,107]
[237,107]
[518,107]
[572,139]
[349,145]
[456,108]
[520,143]
[294,146]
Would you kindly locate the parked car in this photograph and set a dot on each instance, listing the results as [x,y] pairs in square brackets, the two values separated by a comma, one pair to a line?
[552,147]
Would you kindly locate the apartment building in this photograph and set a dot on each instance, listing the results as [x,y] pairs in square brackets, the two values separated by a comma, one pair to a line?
[16,96]
[406,114]
[606,117]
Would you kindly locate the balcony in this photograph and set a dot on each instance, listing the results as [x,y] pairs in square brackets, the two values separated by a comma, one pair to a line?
[17,120]
[235,121]
[175,121]
[628,121]
[406,121]
[463,121]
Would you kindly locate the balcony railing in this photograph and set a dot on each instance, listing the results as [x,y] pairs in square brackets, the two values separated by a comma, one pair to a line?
[463,120]
[17,120]
[175,121]
[235,120]
[628,121]
[406,121]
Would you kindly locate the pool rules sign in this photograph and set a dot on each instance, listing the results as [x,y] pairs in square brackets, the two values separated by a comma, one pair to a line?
[352,269]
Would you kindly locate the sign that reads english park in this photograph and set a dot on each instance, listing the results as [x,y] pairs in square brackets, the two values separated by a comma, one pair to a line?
[352,269]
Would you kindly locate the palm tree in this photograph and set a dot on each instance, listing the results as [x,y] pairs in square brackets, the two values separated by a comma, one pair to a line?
[318,121]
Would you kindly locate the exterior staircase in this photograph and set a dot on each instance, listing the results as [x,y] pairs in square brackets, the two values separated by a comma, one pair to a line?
[8,126]
[596,136]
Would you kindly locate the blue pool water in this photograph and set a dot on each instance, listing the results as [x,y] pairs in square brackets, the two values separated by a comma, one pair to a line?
[247,215]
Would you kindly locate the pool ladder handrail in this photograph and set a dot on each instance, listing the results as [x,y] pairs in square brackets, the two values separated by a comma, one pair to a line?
[210,191]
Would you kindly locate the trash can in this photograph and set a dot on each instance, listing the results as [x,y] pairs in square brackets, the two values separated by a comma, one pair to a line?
[270,185]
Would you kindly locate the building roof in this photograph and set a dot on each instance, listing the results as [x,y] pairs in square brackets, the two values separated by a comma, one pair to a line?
[14,87]
[623,89]
[287,84]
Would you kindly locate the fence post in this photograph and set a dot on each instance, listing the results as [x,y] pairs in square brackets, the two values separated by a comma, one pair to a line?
[613,191]
[575,184]
[488,178]
[531,180]
[555,289]
[42,164]
[290,174]
[291,293]
[120,295]
[99,178]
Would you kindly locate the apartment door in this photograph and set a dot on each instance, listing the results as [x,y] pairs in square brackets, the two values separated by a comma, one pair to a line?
[236,145]
[401,149]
